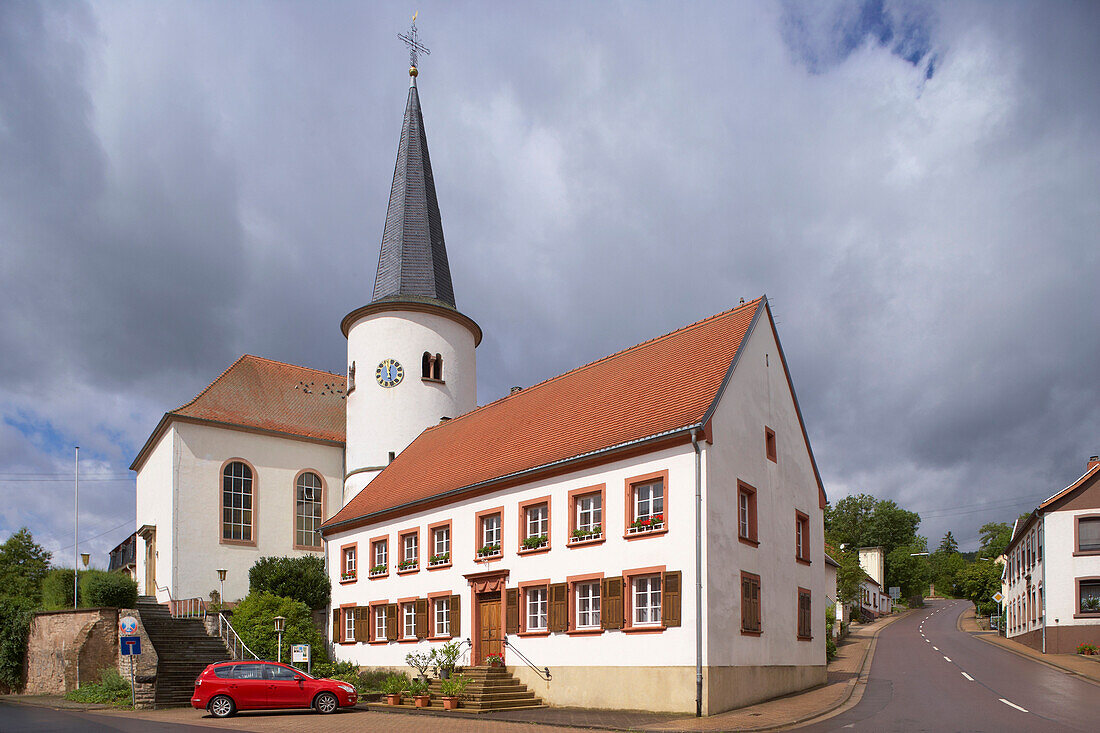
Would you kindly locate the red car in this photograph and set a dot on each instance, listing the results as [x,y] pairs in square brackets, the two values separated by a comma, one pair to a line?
[226,687]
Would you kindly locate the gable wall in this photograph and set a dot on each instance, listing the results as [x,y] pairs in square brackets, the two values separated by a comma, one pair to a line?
[758,395]
[154,505]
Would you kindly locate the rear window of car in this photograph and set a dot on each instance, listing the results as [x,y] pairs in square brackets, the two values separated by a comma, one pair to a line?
[228,672]
[249,672]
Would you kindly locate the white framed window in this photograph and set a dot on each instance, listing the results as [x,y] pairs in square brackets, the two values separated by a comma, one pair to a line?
[349,624]
[380,552]
[349,561]
[589,512]
[307,510]
[647,600]
[536,609]
[408,620]
[538,521]
[490,530]
[649,500]
[237,502]
[379,623]
[441,541]
[443,617]
[409,545]
[743,513]
[588,605]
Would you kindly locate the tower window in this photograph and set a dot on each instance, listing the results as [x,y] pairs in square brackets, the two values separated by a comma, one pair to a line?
[437,368]
[351,378]
[432,366]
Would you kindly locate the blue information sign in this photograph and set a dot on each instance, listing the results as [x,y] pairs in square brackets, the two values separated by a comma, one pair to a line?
[130,645]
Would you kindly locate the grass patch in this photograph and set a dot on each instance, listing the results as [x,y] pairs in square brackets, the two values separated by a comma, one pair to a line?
[112,689]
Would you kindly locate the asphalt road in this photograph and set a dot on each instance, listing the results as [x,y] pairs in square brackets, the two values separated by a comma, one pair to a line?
[929,676]
[25,719]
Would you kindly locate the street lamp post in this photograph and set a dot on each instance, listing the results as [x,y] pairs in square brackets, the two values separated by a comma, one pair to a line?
[280,624]
[84,558]
[221,580]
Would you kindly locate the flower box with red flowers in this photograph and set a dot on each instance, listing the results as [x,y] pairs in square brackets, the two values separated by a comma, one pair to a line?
[494,660]
[652,523]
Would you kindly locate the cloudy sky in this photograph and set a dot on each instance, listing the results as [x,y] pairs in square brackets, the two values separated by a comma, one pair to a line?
[914,185]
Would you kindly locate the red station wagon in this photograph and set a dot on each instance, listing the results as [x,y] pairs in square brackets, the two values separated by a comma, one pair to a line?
[226,687]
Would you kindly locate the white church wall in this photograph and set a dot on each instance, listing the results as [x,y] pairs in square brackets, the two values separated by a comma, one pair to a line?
[758,396]
[276,463]
[673,550]
[154,500]
[381,420]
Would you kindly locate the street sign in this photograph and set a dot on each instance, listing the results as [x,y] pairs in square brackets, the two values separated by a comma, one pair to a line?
[130,645]
[895,592]
[127,625]
[299,653]
[998,597]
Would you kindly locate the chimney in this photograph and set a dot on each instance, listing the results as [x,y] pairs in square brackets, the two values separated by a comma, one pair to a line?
[516,389]
[1093,460]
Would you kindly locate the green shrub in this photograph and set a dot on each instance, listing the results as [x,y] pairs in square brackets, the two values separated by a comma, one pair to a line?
[112,689]
[15,624]
[395,684]
[113,590]
[57,589]
[372,678]
[418,687]
[301,578]
[454,686]
[254,620]
[830,648]
[1086,649]
[23,565]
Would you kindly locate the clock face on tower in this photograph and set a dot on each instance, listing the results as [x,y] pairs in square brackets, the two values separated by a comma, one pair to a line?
[389,373]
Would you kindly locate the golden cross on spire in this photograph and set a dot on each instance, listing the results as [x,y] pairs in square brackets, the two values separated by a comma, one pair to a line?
[412,40]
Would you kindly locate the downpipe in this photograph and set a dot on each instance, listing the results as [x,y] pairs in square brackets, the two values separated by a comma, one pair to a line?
[698,574]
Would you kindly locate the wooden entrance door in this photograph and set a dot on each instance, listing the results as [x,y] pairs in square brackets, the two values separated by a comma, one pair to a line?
[151,564]
[488,626]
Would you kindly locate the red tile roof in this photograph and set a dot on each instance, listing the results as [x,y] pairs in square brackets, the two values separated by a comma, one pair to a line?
[262,394]
[1072,487]
[659,386]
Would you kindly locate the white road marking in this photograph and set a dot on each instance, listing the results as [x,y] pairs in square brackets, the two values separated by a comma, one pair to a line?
[935,647]
[928,641]
[1013,705]
[948,658]
[968,676]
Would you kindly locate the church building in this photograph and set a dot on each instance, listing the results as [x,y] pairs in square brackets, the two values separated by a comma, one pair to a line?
[648,526]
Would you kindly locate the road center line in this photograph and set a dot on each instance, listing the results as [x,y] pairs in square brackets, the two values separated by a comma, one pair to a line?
[1013,705]
[948,658]
[968,676]
[935,647]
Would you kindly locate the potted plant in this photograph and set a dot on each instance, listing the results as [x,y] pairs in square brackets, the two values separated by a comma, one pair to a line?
[445,657]
[420,661]
[406,564]
[419,690]
[580,535]
[378,569]
[487,550]
[531,543]
[452,689]
[393,686]
[439,559]
[494,660]
[347,576]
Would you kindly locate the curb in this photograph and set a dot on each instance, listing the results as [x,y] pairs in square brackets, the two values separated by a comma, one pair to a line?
[1049,663]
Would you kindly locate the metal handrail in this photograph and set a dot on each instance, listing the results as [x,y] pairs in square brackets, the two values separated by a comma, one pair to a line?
[544,672]
[189,608]
[232,640]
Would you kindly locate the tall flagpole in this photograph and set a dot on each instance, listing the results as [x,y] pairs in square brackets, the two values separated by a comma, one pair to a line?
[76,526]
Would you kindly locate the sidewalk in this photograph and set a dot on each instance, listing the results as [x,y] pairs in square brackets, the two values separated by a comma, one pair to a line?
[1085,667]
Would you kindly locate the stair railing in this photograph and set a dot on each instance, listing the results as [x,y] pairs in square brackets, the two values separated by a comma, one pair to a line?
[237,648]
[189,608]
[543,672]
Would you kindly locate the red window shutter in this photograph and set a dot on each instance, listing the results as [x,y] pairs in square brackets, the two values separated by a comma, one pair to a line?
[671,598]
[511,614]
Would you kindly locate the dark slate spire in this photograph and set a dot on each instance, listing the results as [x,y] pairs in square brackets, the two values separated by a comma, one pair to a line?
[413,260]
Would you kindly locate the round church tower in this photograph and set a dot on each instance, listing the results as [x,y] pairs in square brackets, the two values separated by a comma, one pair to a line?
[411,360]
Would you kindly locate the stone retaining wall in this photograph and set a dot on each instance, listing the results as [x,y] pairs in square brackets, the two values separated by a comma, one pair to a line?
[67,648]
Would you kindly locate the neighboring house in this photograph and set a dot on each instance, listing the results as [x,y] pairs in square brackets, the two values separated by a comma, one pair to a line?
[123,557]
[250,467]
[873,600]
[1051,582]
[580,517]
[831,599]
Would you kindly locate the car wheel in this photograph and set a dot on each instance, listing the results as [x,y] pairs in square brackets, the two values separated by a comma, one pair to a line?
[326,703]
[222,707]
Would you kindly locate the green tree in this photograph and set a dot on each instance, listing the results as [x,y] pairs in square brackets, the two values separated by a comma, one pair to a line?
[864,521]
[15,624]
[57,589]
[946,567]
[977,582]
[907,572]
[301,578]
[848,577]
[254,620]
[948,543]
[994,537]
[23,565]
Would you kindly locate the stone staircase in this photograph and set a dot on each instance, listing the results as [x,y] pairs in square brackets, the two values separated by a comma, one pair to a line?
[183,651]
[490,688]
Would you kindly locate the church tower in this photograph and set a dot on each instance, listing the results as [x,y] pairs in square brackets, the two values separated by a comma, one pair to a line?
[411,360]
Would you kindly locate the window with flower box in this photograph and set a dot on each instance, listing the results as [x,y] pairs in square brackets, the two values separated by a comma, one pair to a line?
[802,537]
[410,550]
[645,505]
[534,525]
[489,540]
[586,515]
[440,538]
[347,562]
[379,550]
[746,514]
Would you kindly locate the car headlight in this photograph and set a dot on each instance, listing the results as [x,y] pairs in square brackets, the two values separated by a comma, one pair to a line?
[347,688]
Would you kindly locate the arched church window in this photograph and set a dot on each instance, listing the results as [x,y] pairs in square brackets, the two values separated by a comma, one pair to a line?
[237,502]
[437,367]
[308,511]
[426,369]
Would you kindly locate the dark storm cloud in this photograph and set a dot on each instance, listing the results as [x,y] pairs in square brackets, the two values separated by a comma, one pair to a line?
[186,182]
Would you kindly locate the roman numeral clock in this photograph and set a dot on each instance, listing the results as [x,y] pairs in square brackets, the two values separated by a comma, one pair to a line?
[389,373]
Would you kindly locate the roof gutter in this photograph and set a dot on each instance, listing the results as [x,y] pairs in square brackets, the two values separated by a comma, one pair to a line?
[611,450]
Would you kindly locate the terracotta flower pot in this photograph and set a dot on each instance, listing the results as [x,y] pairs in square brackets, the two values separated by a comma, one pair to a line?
[423,701]
[450,703]
[393,699]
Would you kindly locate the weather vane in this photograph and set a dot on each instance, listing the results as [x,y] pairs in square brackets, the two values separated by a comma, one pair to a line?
[412,40]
